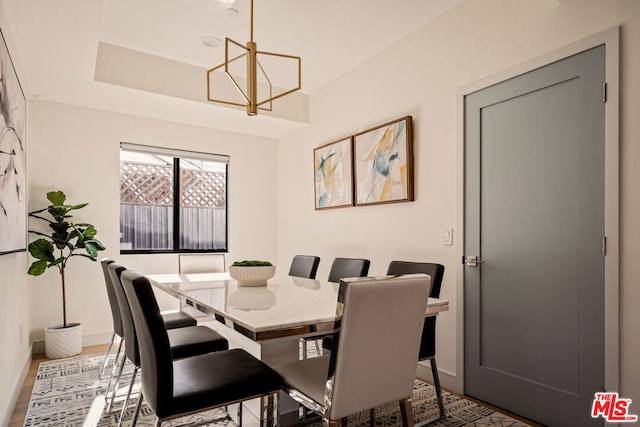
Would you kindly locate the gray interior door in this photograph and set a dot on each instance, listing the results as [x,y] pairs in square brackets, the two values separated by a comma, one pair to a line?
[534,217]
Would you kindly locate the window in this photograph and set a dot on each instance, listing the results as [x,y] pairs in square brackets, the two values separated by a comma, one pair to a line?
[172,200]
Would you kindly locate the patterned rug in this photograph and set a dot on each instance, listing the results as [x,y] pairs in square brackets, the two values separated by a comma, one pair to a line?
[68,392]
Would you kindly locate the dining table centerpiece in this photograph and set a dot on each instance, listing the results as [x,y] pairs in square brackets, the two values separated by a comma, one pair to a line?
[252,272]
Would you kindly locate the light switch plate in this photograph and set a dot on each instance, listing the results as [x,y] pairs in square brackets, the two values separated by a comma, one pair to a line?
[447,237]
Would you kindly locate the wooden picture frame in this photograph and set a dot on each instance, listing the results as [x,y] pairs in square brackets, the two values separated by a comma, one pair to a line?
[333,174]
[383,163]
[13,187]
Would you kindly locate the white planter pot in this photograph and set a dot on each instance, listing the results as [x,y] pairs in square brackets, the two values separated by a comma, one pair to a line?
[62,342]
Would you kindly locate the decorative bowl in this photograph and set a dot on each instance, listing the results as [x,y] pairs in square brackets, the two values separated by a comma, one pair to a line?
[252,275]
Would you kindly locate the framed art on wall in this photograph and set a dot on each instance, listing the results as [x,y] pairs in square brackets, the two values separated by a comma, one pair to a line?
[332,165]
[13,202]
[383,163]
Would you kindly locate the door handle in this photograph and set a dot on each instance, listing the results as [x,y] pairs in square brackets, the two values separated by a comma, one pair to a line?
[472,261]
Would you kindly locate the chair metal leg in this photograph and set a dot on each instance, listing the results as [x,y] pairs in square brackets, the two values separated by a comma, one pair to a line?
[436,383]
[276,409]
[136,412]
[407,412]
[126,400]
[113,370]
[117,384]
[106,356]
[269,413]
[239,422]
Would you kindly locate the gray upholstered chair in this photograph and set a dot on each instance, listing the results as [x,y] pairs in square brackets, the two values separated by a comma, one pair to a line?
[185,342]
[360,374]
[175,387]
[348,267]
[304,266]
[428,339]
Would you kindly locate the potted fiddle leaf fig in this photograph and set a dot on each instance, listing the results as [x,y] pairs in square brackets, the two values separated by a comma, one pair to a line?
[64,240]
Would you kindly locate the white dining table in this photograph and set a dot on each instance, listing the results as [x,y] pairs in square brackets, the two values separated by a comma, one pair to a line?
[287,307]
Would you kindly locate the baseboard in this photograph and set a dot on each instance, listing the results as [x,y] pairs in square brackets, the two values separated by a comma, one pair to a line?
[447,379]
[87,341]
[16,387]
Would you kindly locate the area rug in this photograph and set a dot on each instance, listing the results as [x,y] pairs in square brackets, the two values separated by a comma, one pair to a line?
[68,392]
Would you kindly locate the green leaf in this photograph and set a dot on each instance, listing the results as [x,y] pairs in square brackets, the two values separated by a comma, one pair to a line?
[38,267]
[91,249]
[251,263]
[57,198]
[41,249]
[74,207]
[98,244]
[59,227]
[90,232]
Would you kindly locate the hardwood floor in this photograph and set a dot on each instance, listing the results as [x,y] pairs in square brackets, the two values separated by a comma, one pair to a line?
[20,410]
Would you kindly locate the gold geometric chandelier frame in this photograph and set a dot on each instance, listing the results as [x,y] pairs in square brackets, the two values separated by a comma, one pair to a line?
[250,94]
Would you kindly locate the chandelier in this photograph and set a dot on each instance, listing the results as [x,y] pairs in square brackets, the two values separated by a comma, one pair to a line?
[254,87]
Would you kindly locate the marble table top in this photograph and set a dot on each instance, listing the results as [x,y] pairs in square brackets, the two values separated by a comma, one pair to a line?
[285,307]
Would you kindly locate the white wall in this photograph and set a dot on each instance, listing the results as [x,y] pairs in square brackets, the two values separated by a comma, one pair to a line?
[15,296]
[76,149]
[15,310]
[420,76]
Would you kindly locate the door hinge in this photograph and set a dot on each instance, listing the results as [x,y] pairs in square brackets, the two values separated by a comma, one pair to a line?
[604,246]
[604,92]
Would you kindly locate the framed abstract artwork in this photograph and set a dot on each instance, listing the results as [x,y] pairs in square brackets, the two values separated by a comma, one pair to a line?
[383,163]
[333,175]
[13,198]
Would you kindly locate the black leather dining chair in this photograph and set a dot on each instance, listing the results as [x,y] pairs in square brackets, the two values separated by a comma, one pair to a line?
[184,342]
[115,315]
[428,339]
[174,387]
[348,267]
[171,319]
[304,266]
[340,269]
[359,374]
